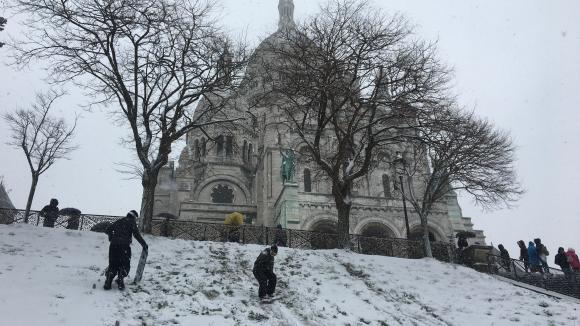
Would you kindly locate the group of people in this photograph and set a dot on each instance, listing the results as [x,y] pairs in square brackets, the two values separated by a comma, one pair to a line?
[535,258]
[121,234]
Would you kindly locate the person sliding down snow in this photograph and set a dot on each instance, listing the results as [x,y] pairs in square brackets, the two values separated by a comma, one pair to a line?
[121,233]
[264,272]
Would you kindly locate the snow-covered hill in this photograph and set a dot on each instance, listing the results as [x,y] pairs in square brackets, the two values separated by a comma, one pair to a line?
[53,277]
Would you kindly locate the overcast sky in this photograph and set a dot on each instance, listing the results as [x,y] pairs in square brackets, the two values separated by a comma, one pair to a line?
[516,63]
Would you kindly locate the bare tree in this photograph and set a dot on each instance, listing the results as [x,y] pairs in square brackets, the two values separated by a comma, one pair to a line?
[43,138]
[151,61]
[463,153]
[342,82]
[3,22]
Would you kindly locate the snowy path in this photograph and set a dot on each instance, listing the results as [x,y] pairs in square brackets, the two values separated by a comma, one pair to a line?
[47,278]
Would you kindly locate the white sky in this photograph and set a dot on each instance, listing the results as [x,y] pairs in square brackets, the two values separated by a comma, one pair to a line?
[515,62]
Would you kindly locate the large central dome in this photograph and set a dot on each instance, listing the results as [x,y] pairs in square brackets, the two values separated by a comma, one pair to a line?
[264,52]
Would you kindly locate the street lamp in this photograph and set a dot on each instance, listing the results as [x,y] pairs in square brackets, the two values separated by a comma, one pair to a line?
[401,160]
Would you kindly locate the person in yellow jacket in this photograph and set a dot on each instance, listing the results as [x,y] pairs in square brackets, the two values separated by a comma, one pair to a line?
[234,219]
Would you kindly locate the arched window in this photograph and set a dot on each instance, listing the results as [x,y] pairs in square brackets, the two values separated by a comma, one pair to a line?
[196,146]
[203,142]
[229,145]
[417,235]
[386,186]
[222,194]
[244,150]
[250,152]
[307,181]
[220,145]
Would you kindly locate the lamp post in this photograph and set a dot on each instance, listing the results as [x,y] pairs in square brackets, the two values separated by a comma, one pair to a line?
[401,160]
[404,205]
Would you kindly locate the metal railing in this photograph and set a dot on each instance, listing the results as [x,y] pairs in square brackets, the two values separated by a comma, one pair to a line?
[548,278]
[247,234]
[300,239]
[85,222]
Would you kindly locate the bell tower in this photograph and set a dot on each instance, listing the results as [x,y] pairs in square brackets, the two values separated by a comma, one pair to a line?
[286,10]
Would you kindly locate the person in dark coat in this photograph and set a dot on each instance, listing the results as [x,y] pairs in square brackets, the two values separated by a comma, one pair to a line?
[542,254]
[121,234]
[462,242]
[50,213]
[524,254]
[562,260]
[264,272]
[280,236]
[505,257]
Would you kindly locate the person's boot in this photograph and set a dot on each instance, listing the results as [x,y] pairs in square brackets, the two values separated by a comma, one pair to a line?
[108,281]
[120,283]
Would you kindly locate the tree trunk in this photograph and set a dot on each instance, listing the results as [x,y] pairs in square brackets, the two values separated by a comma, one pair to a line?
[30,197]
[343,228]
[426,241]
[149,182]
[339,192]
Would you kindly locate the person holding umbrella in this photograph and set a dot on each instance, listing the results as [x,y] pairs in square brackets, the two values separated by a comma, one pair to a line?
[462,243]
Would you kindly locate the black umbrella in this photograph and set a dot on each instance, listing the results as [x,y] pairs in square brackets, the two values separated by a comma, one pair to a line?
[69,211]
[167,215]
[465,234]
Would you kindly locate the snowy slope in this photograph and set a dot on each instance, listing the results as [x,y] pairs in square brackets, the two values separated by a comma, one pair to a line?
[47,278]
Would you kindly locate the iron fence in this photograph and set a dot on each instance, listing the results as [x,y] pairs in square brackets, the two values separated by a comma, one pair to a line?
[85,222]
[549,278]
[299,239]
[247,234]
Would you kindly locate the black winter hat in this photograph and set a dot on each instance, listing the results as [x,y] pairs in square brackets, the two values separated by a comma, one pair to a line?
[274,248]
[132,214]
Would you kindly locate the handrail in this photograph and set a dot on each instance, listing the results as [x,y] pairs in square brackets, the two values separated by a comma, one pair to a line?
[553,279]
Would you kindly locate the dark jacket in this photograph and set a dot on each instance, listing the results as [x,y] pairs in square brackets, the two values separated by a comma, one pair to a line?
[123,230]
[504,254]
[462,243]
[264,262]
[562,260]
[280,238]
[524,253]
[50,214]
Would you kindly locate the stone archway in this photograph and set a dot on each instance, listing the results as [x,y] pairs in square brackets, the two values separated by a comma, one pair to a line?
[326,237]
[377,230]
[416,233]
[374,237]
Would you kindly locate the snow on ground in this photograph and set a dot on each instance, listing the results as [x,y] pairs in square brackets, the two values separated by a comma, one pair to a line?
[54,277]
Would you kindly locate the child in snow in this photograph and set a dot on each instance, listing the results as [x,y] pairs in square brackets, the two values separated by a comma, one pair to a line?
[120,236]
[264,272]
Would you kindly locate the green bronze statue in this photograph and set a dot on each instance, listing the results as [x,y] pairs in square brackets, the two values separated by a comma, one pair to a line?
[287,168]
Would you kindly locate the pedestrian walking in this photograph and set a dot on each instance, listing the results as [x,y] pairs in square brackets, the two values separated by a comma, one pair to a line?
[542,254]
[562,260]
[572,259]
[524,254]
[535,265]
[505,257]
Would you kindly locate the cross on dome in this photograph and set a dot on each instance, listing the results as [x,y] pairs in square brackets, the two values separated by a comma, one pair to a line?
[286,10]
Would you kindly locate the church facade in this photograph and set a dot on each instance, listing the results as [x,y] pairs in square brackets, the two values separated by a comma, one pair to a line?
[228,169]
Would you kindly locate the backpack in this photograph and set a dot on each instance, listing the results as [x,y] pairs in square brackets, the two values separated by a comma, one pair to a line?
[545,251]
